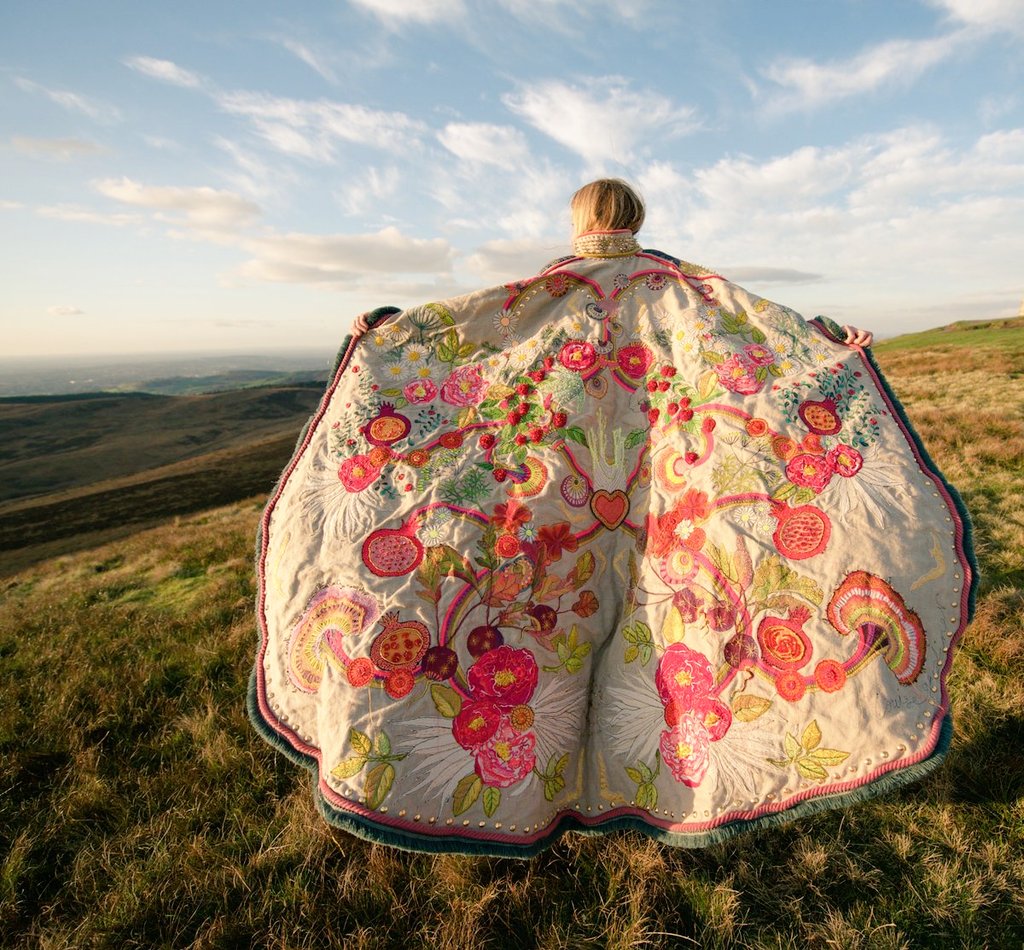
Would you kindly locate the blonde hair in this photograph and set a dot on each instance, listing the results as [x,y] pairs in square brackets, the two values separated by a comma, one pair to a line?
[608,204]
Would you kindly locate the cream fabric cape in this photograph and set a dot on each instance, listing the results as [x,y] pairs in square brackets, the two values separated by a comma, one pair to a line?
[621,545]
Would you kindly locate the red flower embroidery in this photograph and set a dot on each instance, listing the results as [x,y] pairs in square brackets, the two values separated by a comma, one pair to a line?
[505,676]
[556,538]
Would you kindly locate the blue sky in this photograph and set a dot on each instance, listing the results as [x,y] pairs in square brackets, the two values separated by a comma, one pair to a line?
[189,177]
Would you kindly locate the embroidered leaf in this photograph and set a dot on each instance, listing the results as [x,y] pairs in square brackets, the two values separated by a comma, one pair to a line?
[553,786]
[707,384]
[382,745]
[583,570]
[442,313]
[551,587]
[586,604]
[466,350]
[747,708]
[712,357]
[492,799]
[348,767]
[360,741]
[791,746]
[808,768]
[720,559]
[378,784]
[563,761]
[645,772]
[466,792]
[631,654]
[757,335]
[780,763]
[634,775]
[811,738]
[576,434]
[775,370]
[391,392]
[802,496]
[773,575]
[761,373]
[829,756]
[635,438]
[744,571]
[447,702]
[647,796]
[783,491]
[646,652]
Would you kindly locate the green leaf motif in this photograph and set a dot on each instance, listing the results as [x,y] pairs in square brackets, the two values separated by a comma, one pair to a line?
[446,701]
[378,784]
[808,768]
[811,737]
[466,793]
[791,746]
[647,796]
[829,756]
[492,799]
[576,434]
[360,741]
[347,767]
[758,335]
[382,745]
[632,652]
[635,438]
[553,786]
[634,775]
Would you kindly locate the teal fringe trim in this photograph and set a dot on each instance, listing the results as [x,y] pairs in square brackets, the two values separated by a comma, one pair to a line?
[382,834]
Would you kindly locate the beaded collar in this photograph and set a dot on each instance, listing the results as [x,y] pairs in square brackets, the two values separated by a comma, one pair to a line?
[620,243]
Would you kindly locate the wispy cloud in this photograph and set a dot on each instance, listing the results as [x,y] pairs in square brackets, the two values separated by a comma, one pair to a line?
[203,207]
[365,190]
[64,311]
[308,258]
[315,61]
[396,12]
[95,109]
[485,144]
[80,215]
[165,71]
[313,128]
[985,14]
[806,84]
[601,118]
[508,259]
[58,149]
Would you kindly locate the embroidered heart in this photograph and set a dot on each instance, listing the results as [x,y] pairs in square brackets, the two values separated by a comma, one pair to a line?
[610,508]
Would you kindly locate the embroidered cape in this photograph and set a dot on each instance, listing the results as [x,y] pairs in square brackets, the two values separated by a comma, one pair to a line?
[621,545]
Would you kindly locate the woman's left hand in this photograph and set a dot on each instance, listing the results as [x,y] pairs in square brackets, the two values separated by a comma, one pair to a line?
[359,325]
[858,337]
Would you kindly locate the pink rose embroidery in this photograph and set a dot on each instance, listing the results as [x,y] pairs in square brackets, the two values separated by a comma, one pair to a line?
[358,472]
[635,359]
[737,375]
[476,723]
[505,676]
[810,471]
[577,355]
[684,749]
[464,386]
[845,460]
[420,390]
[507,758]
[683,674]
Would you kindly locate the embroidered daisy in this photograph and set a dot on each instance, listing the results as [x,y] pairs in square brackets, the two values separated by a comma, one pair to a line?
[432,534]
[394,371]
[415,355]
[505,322]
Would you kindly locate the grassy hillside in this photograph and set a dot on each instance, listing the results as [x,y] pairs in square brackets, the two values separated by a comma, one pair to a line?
[140,809]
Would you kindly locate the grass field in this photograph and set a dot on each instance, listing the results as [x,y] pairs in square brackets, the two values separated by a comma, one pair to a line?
[140,809]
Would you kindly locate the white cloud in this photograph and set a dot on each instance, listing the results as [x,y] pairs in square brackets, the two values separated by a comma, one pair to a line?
[313,60]
[72,101]
[807,84]
[512,259]
[6,205]
[394,12]
[64,311]
[632,11]
[486,144]
[986,14]
[81,215]
[164,70]
[602,119]
[202,207]
[58,149]
[313,128]
[310,258]
[365,192]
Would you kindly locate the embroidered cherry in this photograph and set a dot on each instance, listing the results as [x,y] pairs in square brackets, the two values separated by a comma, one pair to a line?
[440,663]
[546,616]
[390,552]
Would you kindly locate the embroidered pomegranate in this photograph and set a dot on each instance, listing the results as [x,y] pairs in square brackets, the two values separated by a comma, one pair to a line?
[400,645]
[390,552]
[386,427]
[801,532]
[784,644]
[820,416]
[483,639]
